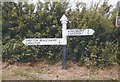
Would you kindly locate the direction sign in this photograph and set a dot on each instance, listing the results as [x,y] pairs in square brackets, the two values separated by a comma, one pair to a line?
[79,32]
[45,41]
[118,21]
[60,41]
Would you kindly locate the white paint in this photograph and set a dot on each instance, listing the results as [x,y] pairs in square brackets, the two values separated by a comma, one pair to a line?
[118,21]
[64,21]
[44,41]
[59,41]
[63,18]
[79,32]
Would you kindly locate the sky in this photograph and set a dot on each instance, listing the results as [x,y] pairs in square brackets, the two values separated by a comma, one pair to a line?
[88,2]
[112,2]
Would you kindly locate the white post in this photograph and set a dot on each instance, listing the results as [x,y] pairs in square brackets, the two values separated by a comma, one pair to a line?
[64,37]
[64,21]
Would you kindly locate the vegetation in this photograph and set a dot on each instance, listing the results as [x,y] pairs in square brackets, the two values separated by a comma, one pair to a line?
[20,21]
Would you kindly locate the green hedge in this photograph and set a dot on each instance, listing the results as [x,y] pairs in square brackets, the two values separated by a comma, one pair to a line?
[20,22]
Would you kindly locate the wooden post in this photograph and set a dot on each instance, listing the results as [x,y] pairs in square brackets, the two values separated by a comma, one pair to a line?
[64,57]
[64,36]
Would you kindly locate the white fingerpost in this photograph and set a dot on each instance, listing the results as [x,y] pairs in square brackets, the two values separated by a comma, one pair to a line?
[118,21]
[62,41]
[64,21]
[79,32]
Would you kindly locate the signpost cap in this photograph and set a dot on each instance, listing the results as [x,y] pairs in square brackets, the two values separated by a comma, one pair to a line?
[23,41]
[63,18]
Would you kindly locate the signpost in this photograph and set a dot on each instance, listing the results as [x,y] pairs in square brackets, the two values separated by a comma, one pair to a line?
[118,17]
[44,41]
[64,21]
[60,41]
[79,32]
[118,21]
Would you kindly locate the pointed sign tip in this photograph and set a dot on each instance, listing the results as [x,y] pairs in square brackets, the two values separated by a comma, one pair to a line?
[93,31]
[23,41]
[63,18]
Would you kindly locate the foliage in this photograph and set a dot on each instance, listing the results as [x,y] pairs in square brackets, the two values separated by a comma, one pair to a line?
[20,21]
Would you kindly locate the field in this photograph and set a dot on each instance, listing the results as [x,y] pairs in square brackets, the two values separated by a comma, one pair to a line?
[44,71]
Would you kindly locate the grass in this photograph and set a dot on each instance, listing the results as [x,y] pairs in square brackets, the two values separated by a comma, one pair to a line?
[28,69]
[34,78]
[19,73]
[74,78]
[26,74]
[44,72]
[93,77]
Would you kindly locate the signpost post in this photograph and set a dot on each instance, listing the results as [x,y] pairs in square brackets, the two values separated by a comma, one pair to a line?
[64,47]
[60,41]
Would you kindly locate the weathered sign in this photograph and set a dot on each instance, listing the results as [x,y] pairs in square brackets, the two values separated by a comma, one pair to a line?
[118,21]
[79,32]
[44,41]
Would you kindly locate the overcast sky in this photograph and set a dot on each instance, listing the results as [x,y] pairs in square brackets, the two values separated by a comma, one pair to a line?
[88,2]
[112,2]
